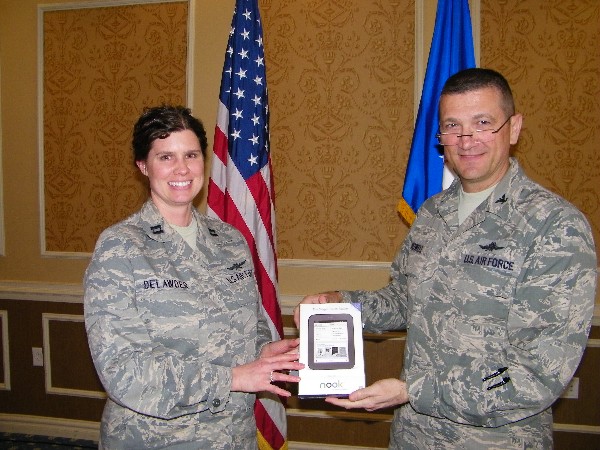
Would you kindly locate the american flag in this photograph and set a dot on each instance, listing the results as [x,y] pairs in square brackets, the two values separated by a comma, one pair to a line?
[240,190]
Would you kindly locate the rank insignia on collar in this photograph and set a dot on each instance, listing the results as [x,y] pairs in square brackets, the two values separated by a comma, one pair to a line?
[157,229]
[212,232]
[502,199]
[416,247]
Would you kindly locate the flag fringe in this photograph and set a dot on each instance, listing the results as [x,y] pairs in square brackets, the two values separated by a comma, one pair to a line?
[406,211]
[264,445]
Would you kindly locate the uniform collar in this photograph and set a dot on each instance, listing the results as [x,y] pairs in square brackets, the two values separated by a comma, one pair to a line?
[153,222]
[499,202]
[158,229]
[503,198]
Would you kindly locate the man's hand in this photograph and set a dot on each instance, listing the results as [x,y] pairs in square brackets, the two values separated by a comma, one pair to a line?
[381,394]
[324,297]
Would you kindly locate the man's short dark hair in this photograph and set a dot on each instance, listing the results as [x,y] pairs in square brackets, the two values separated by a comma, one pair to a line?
[159,122]
[477,78]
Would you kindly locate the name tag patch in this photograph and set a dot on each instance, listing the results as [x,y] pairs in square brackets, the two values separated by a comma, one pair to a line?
[165,283]
[489,261]
[239,276]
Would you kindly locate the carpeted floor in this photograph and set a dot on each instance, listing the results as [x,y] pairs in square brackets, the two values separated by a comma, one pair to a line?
[12,441]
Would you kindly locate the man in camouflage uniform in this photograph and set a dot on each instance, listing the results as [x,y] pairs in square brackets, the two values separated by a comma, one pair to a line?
[172,311]
[495,285]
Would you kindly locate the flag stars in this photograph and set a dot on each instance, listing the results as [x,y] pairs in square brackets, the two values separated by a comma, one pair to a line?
[247,99]
[241,73]
[238,114]
[239,94]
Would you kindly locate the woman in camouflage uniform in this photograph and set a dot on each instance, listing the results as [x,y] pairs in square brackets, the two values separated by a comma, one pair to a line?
[172,310]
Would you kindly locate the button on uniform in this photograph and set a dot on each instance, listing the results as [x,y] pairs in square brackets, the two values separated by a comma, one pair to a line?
[216,402]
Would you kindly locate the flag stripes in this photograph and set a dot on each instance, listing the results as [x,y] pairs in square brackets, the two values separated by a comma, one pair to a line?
[240,188]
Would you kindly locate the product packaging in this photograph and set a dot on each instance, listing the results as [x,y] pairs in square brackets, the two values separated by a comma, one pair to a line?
[331,349]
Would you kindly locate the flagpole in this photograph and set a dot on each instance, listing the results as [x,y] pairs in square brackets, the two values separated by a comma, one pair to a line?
[240,188]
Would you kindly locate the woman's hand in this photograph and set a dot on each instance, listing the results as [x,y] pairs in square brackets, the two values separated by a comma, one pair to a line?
[261,374]
[381,394]
[280,347]
[324,297]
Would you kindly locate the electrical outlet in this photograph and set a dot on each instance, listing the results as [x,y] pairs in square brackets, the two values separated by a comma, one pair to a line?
[572,390]
[38,356]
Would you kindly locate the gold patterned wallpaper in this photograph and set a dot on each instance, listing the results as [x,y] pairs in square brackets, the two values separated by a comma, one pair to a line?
[550,53]
[101,67]
[340,75]
[341,85]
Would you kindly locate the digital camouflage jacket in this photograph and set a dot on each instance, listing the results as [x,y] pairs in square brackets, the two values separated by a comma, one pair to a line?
[497,312]
[165,326]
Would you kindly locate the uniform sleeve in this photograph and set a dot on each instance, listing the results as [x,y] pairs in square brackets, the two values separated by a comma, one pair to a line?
[136,371]
[384,309]
[263,331]
[546,333]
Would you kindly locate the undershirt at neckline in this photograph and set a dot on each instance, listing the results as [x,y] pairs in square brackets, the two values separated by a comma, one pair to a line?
[468,201]
[188,233]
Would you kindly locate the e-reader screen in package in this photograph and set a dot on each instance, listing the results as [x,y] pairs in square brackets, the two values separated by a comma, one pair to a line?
[330,341]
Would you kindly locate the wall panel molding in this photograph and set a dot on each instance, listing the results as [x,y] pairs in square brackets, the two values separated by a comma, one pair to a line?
[49,426]
[330,264]
[80,429]
[343,415]
[47,345]
[41,291]
[571,428]
[97,70]
[73,293]
[594,343]
[2,243]
[5,382]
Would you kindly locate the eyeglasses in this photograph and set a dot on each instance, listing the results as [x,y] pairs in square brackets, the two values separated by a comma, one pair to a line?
[477,135]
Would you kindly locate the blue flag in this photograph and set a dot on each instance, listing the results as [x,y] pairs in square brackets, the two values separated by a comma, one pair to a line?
[451,51]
